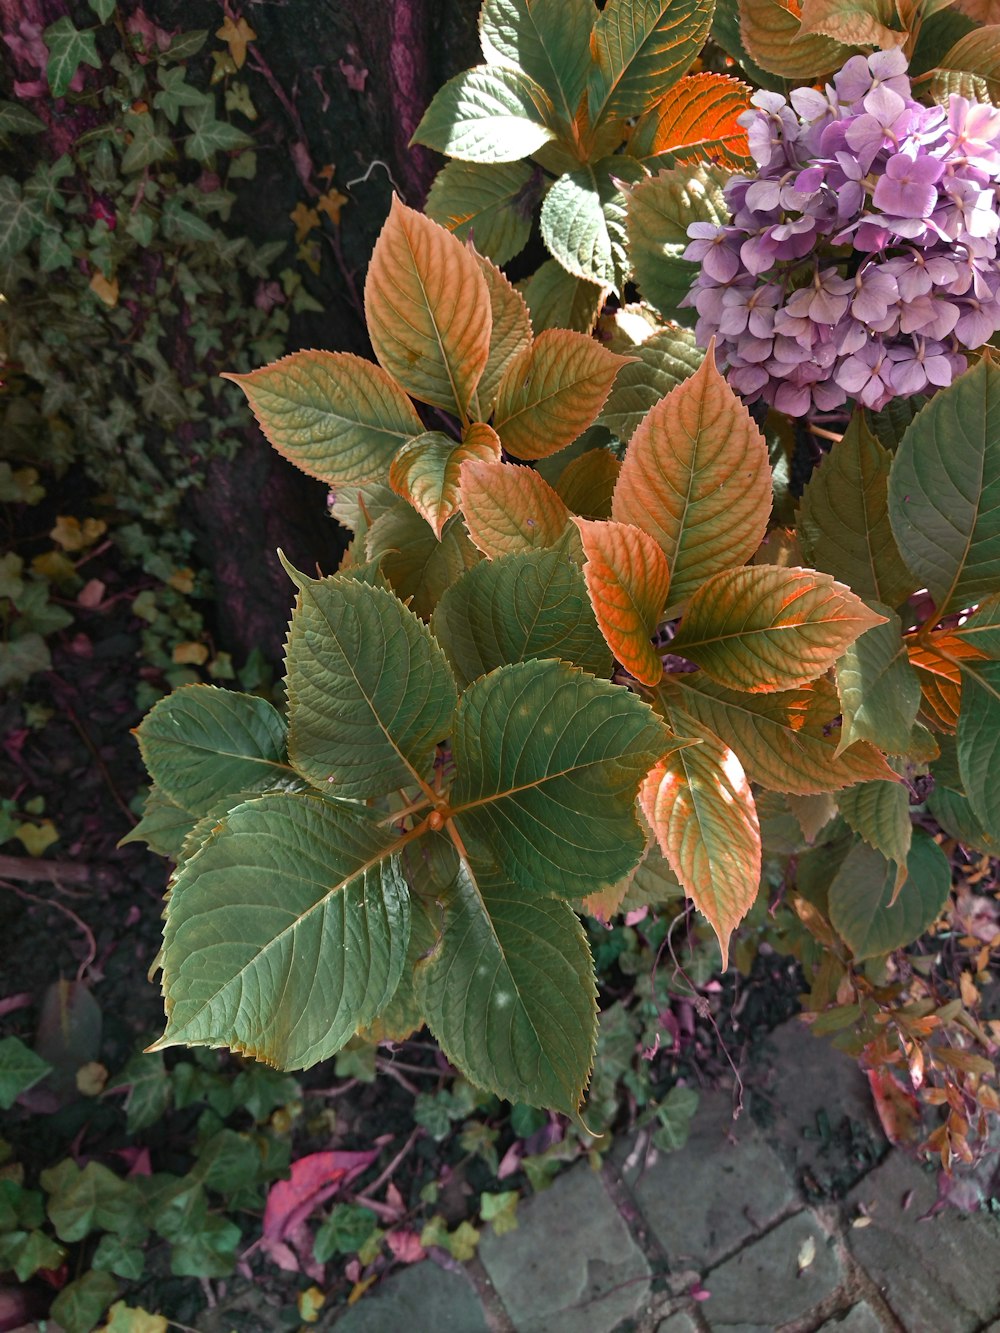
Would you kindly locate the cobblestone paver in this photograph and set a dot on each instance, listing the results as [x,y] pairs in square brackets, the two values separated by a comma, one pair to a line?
[727,1235]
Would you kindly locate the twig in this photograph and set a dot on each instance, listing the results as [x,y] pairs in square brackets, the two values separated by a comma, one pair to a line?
[384,1067]
[30,871]
[387,1173]
[88,934]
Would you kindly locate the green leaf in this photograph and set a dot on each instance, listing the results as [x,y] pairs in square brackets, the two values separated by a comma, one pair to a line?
[176,93]
[659,211]
[548,39]
[151,142]
[79,1306]
[490,205]
[17,119]
[487,114]
[370,693]
[94,1199]
[163,826]
[149,1090]
[956,816]
[844,519]
[509,990]
[863,888]
[509,336]
[344,1231]
[663,361]
[418,565]
[68,48]
[879,689]
[786,741]
[209,136]
[103,8]
[332,414]
[763,628]
[549,760]
[978,739]
[20,1069]
[880,813]
[285,933]
[25,1252]
[583,221]
[641,48]
[675,1115]
[114,1256]
[977,53]
[202,743]
[519,607]
[558,300]
[20,219]
[944,490]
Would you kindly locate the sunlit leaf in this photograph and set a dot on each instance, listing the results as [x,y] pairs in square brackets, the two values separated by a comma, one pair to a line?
[977,54]
[426,470]
[944,491]
[490,205]
[549,761]
[548,39]
[285,933]
[627,580]
[786,741]
[696,477]
[510,335]
[865,884]
[697,121]
[369,691]
[763,628]
[772,33]
[510,509]
[428,310]
[855,22]
[937,662]
[532,604]
[699,804]
[844,520]
[332,414]
[487,114]
[552,391]
[583,221]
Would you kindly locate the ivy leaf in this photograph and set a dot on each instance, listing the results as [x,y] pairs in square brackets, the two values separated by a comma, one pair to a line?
[428,310]
[549,760]
[641,48]
[844,518]
[509,990]
[17,119]
[880,813]
[103,8]
[202,743]
[697,121]
[510,509]
[68,48]
[699,804]
[627,581]
[176,93]
[209,136]
[583,221]
[764,628]
[697,478]
[20,1069]
[510,335]
[426,470]
[978,739]
[786,741]
[490,205]
[91,1199]
[285,933]
[879,690]
[548,39]
[21,219]
[487,114]
[418,566]
[662,362]
[659,211]
[862,910]
[80,1304]
[532,604]
[369,691]
[944,490]
[771,31]
[552,391]
[332,414]
[558,300]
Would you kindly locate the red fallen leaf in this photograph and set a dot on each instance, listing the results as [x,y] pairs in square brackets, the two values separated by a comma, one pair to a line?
[405,1246]
[898,1109]
[314,1179]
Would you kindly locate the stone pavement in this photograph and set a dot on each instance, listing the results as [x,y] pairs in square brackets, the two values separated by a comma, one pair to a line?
[736,1233]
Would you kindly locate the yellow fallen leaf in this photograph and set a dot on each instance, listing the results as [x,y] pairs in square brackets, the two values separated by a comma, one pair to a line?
[182,580]
[72,535]
[56,567]
[310,1302]
[305,219]
[105,289]
[331,203]
[190,653]
[37,838]
[359,1288]
[91,1078]
[237,35]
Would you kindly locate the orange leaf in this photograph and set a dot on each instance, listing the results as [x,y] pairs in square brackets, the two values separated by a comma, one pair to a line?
[237,35]
[552,392]
[331,203]
[940,677]
[627,579]
[426,470]
[700,806]
[696,121]
[305,219]
[510,508]
[697,478]
[105,289]
[428,310]
[763,629]
[510,334]
[588,483]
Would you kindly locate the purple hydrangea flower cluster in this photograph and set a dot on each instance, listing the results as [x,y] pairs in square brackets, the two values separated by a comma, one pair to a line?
[863,259]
